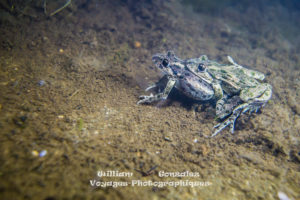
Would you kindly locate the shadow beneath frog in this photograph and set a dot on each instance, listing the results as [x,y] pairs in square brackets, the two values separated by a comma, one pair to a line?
[188,103]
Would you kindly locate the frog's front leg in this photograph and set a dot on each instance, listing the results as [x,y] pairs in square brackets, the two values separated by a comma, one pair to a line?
[160,96]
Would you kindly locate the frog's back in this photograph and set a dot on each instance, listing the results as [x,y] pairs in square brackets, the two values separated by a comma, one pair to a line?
[232,77]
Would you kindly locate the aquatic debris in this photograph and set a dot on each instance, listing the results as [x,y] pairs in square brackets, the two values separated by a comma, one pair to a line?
[235,89]
[74,93]
[167,139]
[43,153]
[209,6]
[85,63]
[41,83]
[149,172]
[68,2]
[120,56]
[80,124]
[20,121]
[60,116]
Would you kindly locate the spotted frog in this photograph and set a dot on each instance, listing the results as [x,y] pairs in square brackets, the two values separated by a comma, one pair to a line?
[235,89]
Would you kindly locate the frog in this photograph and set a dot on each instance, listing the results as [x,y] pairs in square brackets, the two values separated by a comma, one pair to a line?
[235,89]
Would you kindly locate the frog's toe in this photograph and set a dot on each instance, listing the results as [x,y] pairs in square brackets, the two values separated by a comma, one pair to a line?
[145,99]
[151,87]
[139,102]
[142,101]
[220,127]
[216,126]
[228,122]
[232,128]
[145,96]
[218,130]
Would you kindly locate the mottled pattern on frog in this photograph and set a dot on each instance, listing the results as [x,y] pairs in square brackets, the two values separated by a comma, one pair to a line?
[236,89]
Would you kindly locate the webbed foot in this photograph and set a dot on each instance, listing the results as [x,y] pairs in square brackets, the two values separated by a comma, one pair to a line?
[230,121]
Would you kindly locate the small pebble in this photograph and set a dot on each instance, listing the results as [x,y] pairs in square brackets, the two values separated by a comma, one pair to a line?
[41,83]
[283,196]
[23,118]
[15,83]
[195,140]
[61,50]
[35,153]
[43,153]
[96,132]
[60,116]
[137,44]
[45,38]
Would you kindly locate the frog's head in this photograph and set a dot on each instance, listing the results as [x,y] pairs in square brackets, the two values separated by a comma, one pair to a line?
[166,62]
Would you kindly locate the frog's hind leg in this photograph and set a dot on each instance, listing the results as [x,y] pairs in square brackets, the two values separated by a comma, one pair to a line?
[258,95]
[226,105]
[252,105]
[230,121]
[251,73]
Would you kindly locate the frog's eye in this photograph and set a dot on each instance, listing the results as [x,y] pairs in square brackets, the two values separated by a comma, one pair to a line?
[201,67]
[165,63]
